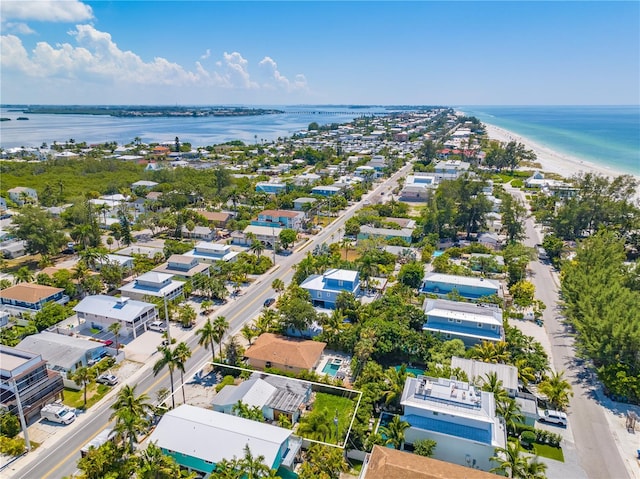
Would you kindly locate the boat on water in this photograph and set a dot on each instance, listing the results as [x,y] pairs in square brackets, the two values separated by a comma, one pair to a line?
[22,118]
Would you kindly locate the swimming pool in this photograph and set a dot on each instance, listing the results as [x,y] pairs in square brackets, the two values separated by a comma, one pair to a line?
[332,367]
[437,253]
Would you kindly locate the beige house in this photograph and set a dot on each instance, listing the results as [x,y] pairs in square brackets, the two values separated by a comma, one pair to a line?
[286,354]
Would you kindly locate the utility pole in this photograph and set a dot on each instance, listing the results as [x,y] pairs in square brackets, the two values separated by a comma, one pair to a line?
[166,316]
[23,423]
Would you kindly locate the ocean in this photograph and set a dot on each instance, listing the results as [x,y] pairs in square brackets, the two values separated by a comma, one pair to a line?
[603,135]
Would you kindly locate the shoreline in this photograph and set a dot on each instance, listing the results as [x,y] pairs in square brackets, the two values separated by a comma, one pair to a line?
[550,160]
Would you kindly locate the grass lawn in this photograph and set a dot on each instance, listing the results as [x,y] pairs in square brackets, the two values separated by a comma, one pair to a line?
[544,450]
[95,392]
[332,404]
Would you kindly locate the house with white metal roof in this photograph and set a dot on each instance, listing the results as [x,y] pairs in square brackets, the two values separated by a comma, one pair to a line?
[152,283]
[183,267]
[477,372]
[211,253]
[199,438]
[253,393]
[458,416]
[61,352]
[101,311]
[325,288]
[470,322]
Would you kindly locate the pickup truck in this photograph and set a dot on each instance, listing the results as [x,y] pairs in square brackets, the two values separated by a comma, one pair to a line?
[58,412]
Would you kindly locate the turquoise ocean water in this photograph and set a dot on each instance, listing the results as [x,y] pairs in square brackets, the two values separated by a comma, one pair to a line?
[603,135]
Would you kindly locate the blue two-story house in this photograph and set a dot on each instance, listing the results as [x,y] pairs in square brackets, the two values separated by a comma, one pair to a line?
[280,219]
[271,188]
[326,190]
[199,438]
[470,322]
[468,287]
[325,288]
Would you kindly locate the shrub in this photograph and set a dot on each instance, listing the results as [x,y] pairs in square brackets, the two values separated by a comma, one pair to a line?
[9,425]
[226,381]
[12,446]
[520,428]
[527,438]
[517,183]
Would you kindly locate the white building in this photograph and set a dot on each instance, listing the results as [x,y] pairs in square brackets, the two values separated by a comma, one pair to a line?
[103,311]
[211,253]
[158,285]
[457,415]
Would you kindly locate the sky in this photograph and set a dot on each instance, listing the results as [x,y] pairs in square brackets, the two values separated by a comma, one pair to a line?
[328,52]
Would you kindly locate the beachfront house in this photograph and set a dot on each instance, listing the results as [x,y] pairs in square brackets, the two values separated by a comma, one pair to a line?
[470,322]
[457,415]
[325,288]
[199,438]
[467,287]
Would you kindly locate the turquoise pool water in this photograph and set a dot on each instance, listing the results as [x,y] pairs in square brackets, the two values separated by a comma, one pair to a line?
[331,368]
[437,253]
[415,371]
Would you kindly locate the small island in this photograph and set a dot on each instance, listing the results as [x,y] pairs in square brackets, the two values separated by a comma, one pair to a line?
[4,118]
[149,111]
[22,118]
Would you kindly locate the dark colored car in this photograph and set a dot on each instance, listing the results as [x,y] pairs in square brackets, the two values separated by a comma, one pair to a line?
[269,301]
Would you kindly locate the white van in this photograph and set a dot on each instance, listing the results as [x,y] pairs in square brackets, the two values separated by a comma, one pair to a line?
[553,417]
[157,326]
[58,412]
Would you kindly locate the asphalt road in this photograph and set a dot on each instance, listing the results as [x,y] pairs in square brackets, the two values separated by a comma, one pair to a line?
[59,459]
[598,454]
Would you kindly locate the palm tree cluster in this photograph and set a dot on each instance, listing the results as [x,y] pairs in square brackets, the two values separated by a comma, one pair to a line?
[514,464]
[172,359]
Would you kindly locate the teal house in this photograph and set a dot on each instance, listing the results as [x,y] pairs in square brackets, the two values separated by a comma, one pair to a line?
[468,287]
[199,438]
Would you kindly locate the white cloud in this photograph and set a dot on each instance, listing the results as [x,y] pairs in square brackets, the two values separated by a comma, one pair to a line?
[96,57]
[46,10]
[19,27]
[275,79]
[206,55]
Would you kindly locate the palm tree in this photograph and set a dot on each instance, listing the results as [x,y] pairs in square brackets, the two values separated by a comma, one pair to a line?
[257,248]
[492,384]
[316,426]
[248,333]
[253,467]
[394,382]
[83,377]
[534,469]
[168,359]
[220,326]
[394,431]
[557,389]
[23,275]
[127,400]
[182,353]
[510,412]
[277,285]
[267,321]
[526,373]
[490,352]
[129,427]
[154,464]
[115,329]
[207,337]
[510,461]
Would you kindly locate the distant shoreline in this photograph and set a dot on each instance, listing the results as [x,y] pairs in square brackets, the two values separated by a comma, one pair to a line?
[150,112]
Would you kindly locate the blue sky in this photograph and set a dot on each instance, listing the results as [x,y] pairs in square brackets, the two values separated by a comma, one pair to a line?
[270,53]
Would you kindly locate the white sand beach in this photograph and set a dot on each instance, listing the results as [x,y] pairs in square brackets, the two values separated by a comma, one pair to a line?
[550,160]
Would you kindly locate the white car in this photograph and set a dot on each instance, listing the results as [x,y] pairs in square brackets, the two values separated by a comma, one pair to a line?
[157,326]
[108,379]
[553,417]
